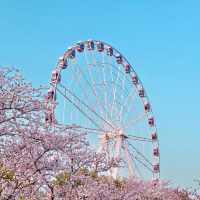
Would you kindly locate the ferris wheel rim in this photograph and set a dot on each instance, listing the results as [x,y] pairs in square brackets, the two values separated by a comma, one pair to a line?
[145,98]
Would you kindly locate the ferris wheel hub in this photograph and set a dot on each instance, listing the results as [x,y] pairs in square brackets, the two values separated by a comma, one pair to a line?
[114,135]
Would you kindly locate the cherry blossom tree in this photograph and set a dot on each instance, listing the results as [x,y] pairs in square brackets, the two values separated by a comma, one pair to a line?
[32,154]
[42,162]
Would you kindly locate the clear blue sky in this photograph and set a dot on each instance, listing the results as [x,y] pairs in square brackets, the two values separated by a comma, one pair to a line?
[161,39]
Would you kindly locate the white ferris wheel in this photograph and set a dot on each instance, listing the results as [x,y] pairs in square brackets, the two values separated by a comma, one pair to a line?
[93,88]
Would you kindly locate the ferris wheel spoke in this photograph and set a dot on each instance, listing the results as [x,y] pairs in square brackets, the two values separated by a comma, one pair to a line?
[138,169]
[135,160]
[116,74]
[115,68]
[112,80]
[115,111]
[122,98]
[81,86]
[140,154]
[107,115]
[92,86]
[132,99]
[84,104]
[123,90]
[109,106]
[145,165]
[138,138]
[75,79]
[81,74]
[77,107]
[114,107]
[125,107]
[135,121]
[94,90]
[135,163]
[92,130]
[83,128]
[141,162]
[114,91]
[105,85]
[86,130]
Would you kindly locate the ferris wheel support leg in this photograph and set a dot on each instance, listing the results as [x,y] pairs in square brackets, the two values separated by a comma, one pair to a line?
[118,146]
[104,148]
[129,160]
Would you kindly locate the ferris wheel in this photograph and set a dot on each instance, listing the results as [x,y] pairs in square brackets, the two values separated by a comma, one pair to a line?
[93,88]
